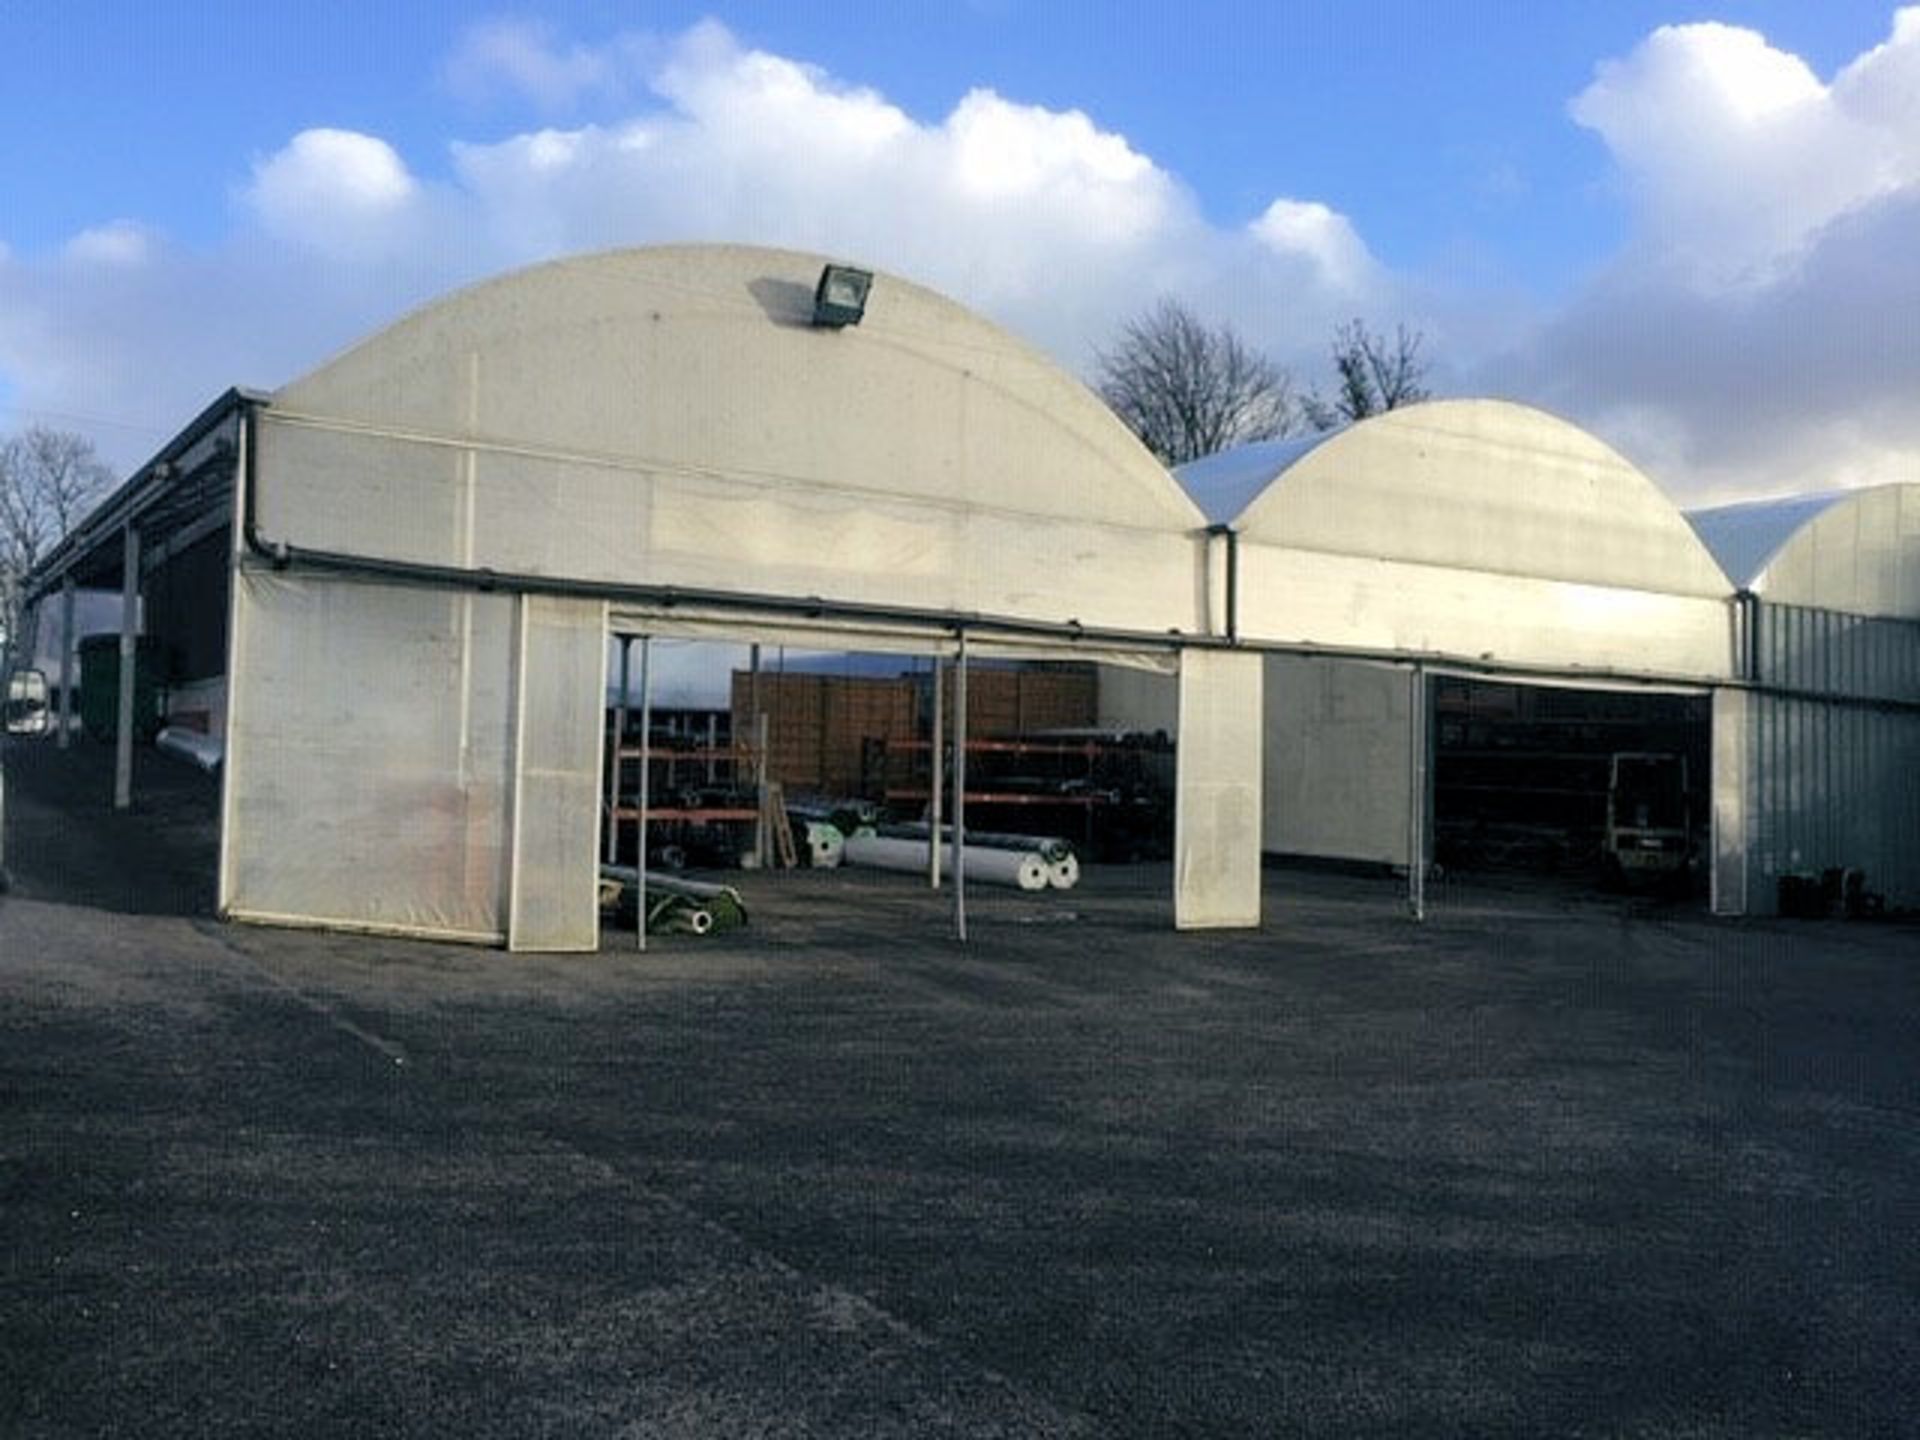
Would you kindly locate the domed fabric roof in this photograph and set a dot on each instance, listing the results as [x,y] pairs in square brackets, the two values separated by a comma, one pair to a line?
[1482,485]
[704,357]
[1851,550]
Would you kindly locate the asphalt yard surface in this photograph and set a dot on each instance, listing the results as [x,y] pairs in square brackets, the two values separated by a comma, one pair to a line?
[1547,1164]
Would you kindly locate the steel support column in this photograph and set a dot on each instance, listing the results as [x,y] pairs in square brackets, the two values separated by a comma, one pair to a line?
[129,654]
[936,778]
[66,662]
[960,790]
[646,786]
[1419,792]
[613,756]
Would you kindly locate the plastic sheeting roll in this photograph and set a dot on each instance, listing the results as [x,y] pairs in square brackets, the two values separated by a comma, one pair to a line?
[826,846]
[1014,868]
[675,903]
[1047,847]
[206,751]
[1064,873]
[686,918]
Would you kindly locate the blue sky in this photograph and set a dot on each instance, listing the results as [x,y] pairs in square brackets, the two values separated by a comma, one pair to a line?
[1684,227]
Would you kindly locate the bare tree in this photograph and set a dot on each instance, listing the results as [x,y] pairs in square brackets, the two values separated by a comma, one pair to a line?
[1373,374]
[49,479]
[1188,391]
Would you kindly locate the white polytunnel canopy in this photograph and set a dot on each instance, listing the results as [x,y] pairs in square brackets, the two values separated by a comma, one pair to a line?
[1856,551]
[1478,530]
[442,526]
[436,535]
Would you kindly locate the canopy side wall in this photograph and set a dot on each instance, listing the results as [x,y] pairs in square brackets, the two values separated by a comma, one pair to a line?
[472,508]
[370,758]
[1336,772]
[1731,802]
[641,421]
[1291,596]
[1216,817]
[559,724]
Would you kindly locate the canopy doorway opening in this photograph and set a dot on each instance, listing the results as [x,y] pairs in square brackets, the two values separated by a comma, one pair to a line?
[1607,787]
[783,757]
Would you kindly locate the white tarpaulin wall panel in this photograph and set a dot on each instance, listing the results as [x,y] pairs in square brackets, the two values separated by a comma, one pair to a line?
[393,498]
[638,421]
[1216,818]
[560,711]
[1306,597]
[1336,746]
[368,760]
[1732,801]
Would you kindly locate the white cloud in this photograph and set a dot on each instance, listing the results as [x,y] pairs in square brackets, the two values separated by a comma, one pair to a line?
[332,189]
[1322,236]
[121,242]
[1042,218]
[520,57]
[1805,383]
[1755,335]
[1037,216]
[1735,153]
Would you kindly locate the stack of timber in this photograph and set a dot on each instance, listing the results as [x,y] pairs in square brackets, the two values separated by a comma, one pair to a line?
[823,731]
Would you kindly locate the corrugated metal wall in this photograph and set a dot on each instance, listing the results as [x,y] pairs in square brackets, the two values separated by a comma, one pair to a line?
[1833,740]
[1829,652]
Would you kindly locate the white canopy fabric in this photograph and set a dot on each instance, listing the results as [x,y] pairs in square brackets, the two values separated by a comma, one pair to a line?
[1223,485]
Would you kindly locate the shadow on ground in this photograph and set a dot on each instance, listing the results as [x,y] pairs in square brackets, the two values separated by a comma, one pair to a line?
[66,842]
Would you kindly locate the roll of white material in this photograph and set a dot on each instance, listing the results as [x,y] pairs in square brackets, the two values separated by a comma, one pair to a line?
[990,867]
[1047,847]
[1064,873]
[206,751]
[826,846]
[691,920]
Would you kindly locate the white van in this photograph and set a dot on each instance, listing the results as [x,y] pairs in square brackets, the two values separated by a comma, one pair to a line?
[27,711]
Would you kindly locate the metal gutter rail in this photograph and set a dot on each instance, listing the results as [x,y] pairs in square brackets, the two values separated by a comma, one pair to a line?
[282,554]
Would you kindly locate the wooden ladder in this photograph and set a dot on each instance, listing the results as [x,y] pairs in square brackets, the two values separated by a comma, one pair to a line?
[777,825]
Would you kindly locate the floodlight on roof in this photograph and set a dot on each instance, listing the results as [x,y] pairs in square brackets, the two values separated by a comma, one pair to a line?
[841,296]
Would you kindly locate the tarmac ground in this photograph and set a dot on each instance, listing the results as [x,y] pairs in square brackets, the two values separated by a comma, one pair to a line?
[1549,1163]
